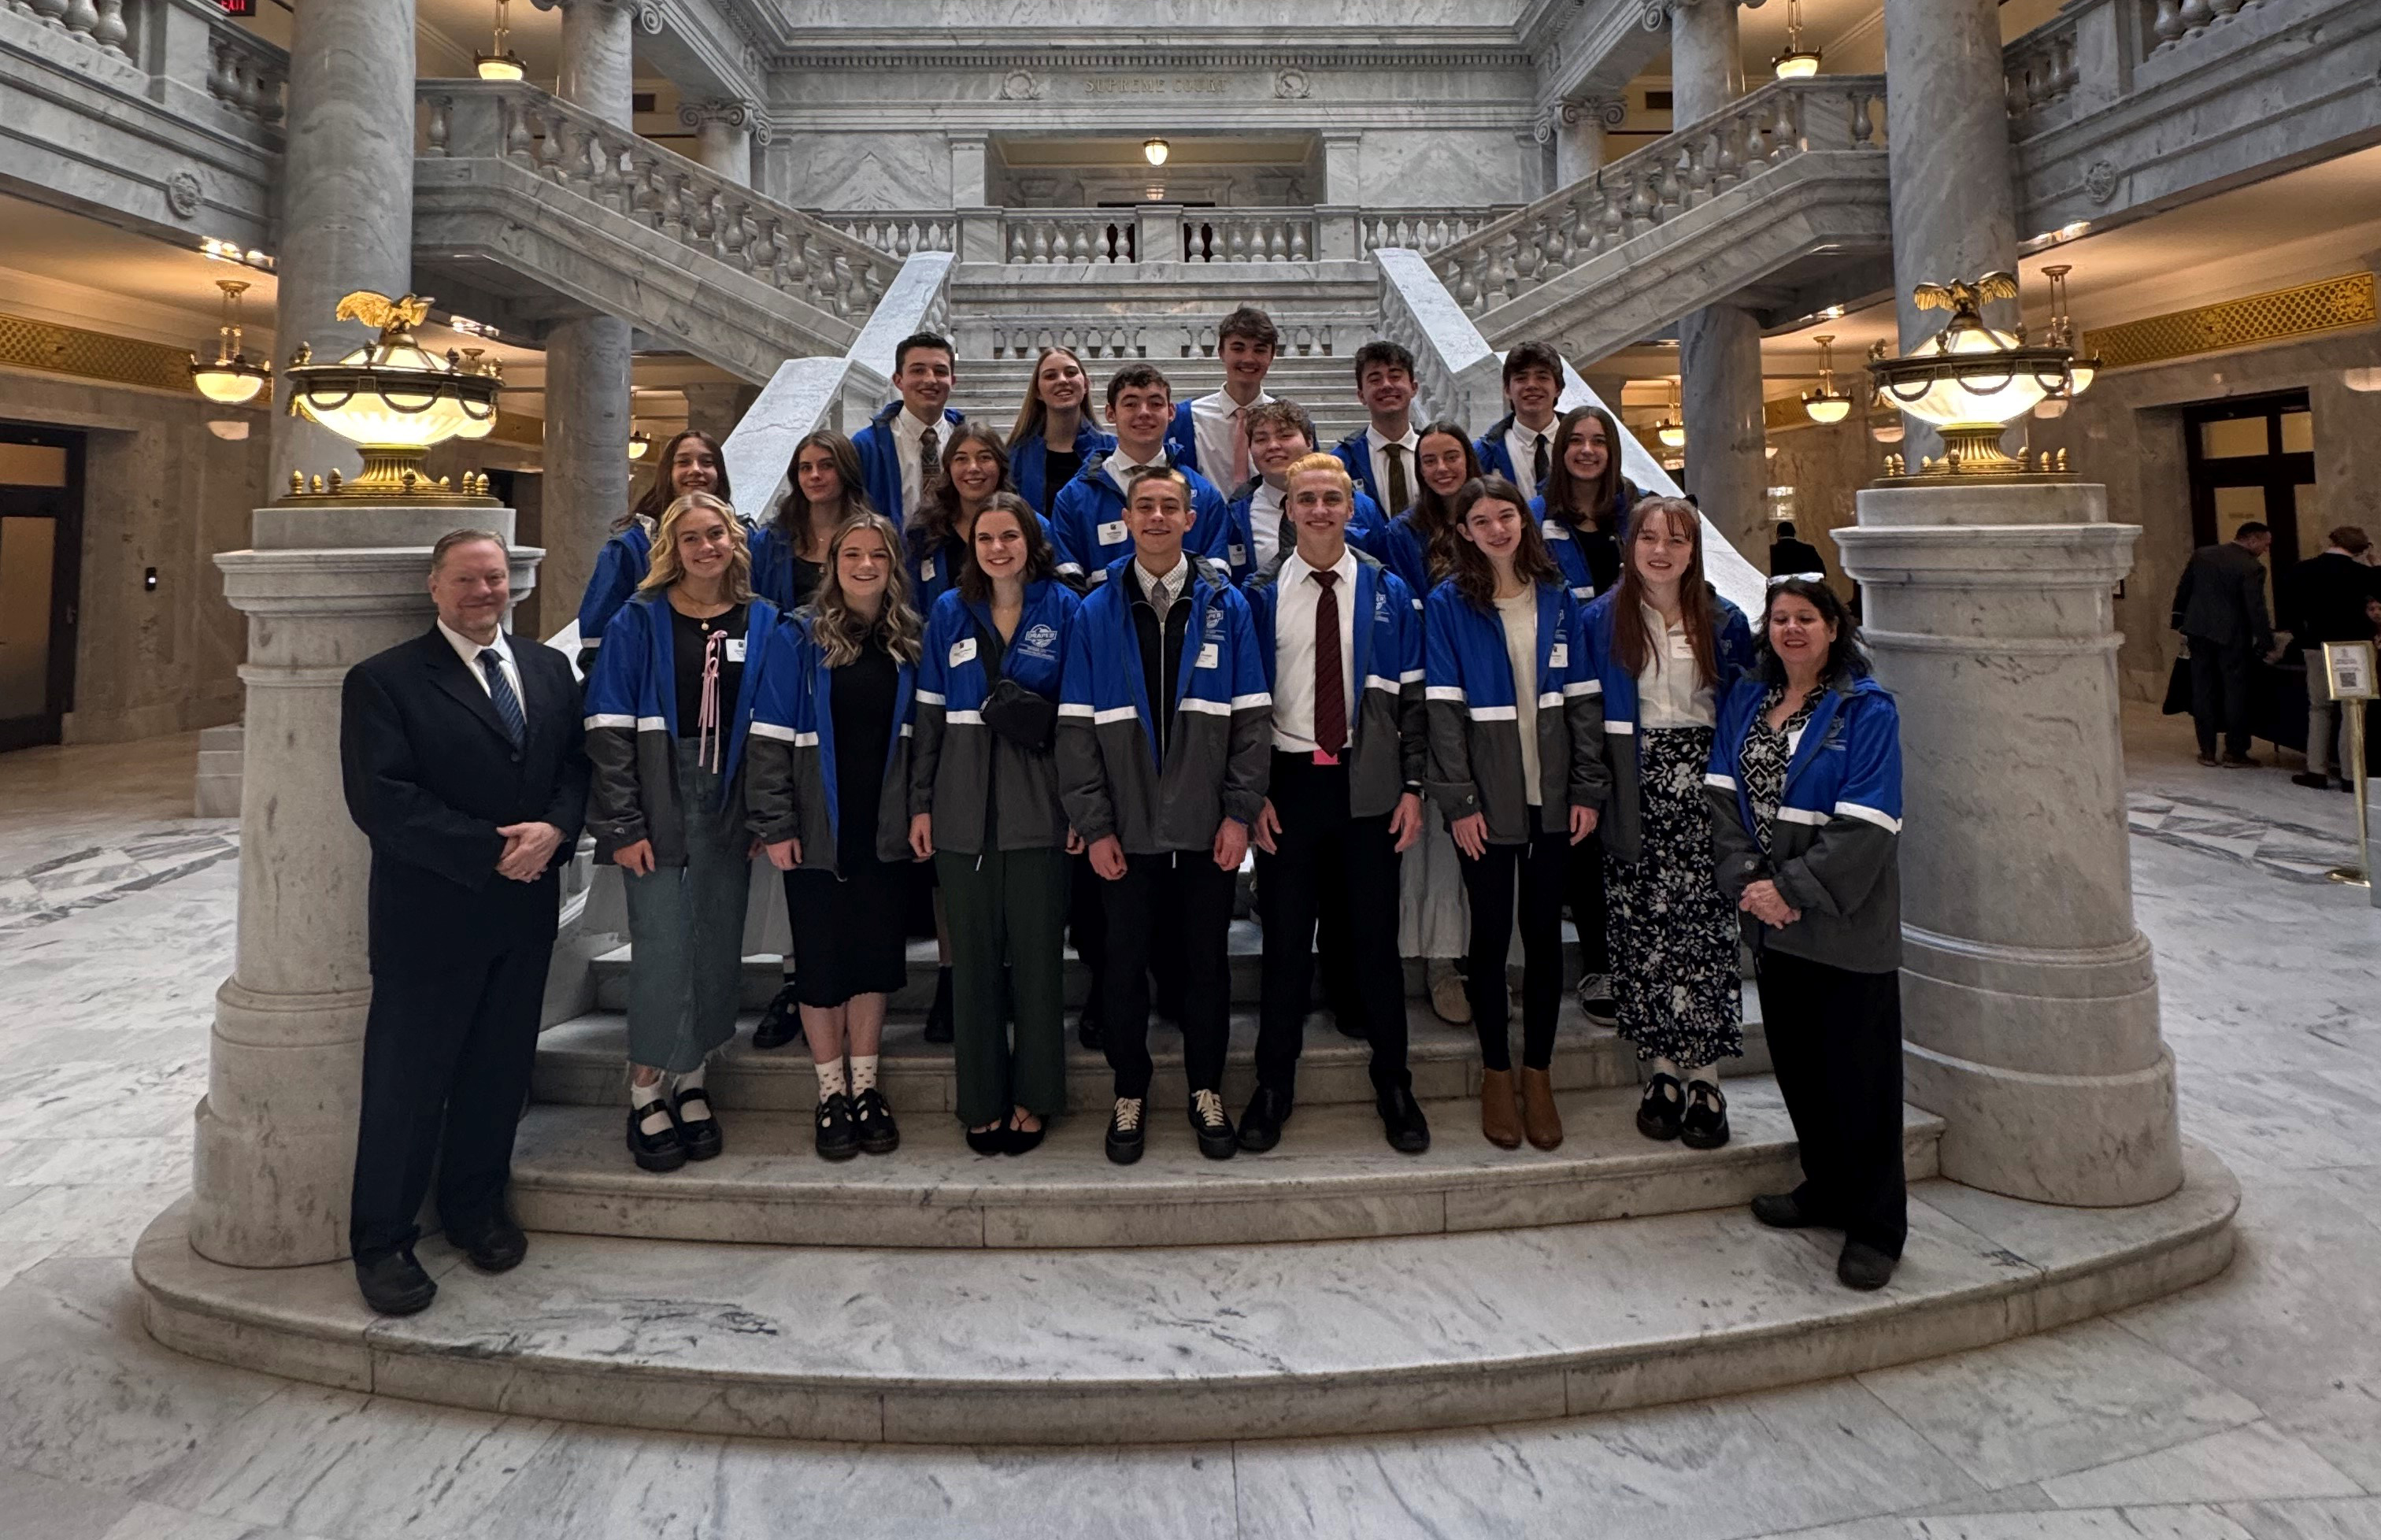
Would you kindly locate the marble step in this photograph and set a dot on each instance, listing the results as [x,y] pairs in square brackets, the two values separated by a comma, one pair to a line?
[1184,1343]
[579,1062]
[1332,1177]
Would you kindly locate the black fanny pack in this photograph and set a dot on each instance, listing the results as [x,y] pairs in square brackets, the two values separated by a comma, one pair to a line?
[1018,715]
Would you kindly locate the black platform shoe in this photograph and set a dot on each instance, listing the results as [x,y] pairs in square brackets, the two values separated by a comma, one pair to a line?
[1659,1110]
[1125,1130]
[1212,1125]
[872,1117]
[1703,1126]
[698,1131]
[656,1152]
[838,1135]
[781,1022]
[938,1015]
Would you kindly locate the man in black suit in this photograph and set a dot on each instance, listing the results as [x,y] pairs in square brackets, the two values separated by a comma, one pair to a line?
[2219,606]
[462,759]
[1790,556]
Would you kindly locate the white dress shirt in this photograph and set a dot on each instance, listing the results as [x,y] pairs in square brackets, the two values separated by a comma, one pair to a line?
[1120,466]
[469,651]
[909,438]
[1164,590]
[1265,522]
[1211,431]
[1294,648]
[1522,445]
[1667,693]
[1378,447]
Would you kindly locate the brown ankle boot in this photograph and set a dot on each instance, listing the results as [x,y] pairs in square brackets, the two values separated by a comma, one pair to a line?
[1499,1119]
[1538,1114]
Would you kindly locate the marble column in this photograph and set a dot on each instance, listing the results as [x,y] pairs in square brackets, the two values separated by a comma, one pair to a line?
[1579,138]
[715,407]
[2030,998]
[723,137]
[1719,366]
[1954,196]
[345,194]
[1706,59]
[322,589]
[587,358]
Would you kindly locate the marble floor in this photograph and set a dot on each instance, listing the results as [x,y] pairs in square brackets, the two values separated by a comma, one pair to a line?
[2250,1407]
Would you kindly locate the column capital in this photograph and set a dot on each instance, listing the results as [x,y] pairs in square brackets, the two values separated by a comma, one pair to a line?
[584,5]
[725,112]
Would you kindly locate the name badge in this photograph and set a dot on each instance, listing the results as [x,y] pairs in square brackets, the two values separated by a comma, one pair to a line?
[735,649]
[1555,529]
[1680,647]
[926,570]
[962,650]
[1209,655]
[1112,532]
[1559,656]
[1237,554]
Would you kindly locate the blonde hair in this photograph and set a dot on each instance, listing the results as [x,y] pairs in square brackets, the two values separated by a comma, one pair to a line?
[839,631]
[736,586]
[1031,413]
[1315,463]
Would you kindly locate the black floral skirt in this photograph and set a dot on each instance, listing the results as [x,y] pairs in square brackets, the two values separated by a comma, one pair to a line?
[1674,936]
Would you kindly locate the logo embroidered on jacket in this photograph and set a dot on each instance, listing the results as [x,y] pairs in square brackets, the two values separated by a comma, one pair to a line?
[1040,640]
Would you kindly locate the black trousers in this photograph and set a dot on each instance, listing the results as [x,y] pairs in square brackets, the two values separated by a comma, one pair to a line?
[1087,930]
[1835,1038]
[1180,900]
[1590,909]
[1542,868]
[1325,850]
[2219,696]
[448,1044]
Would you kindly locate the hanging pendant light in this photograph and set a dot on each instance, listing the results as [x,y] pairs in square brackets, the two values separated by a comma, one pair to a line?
[1155,151]
[394,400]
[640,443]
[231,376]
[501,63]
[1796,62]
[1827,404]
[1671,431]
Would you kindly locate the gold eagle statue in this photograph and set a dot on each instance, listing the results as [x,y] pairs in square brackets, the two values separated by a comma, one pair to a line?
[1960,297]
[384,314]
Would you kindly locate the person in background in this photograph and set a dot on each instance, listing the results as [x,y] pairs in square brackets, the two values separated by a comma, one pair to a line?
[667,713]
[1057,430]
[1521,445]
[1211,434]
[2328,594]
[1089,529]
[1279,433]
[901,449]
[1804,785]
[691,461]
[1514,766]
[1164,794]
[828,798]
[1664,649]
[985,809]
[1380,459]
[462,760]
[1790,556]
[2220,607]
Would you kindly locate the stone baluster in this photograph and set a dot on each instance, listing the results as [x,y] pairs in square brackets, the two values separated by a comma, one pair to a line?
[1038,245]
[549,146]
[612,191]
[52,12]
[1641,204]
[107,29]
[2196,15]
[513,133]
[2168,26]
[1586,230]
[441,123]
[1863,120]
[82,16]
[1475,280]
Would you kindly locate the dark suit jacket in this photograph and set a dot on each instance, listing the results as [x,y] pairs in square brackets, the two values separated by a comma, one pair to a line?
[2222,598]
[431,777]
[2325,598]
[1794,555]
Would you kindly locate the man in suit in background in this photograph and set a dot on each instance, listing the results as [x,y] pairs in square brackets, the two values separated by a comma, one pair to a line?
[463,764]
[2219,606]
[1791,555]
[2326,599]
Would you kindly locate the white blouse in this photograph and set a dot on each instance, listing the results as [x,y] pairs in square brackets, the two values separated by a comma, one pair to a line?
[1668,693]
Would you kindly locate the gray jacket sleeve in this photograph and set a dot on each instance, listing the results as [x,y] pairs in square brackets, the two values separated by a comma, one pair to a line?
[1248,764]
[1736,855]
[1591,779]
[1839,870]
[2252,607]
[614,810]
[769,803]
[926,729]
[1450,783]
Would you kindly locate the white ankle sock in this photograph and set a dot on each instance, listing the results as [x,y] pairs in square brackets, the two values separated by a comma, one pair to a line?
[1707,1074]
[654,1102]
[863,1072]
[691,1080]
[830,1077]
[1668,1067]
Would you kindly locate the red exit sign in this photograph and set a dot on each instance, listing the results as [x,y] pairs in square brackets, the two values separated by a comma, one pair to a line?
[238,7]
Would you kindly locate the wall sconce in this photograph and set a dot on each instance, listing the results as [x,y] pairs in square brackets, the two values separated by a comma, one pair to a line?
[1155,151]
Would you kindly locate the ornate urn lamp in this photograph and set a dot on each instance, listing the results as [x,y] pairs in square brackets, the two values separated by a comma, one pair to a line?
[392,401]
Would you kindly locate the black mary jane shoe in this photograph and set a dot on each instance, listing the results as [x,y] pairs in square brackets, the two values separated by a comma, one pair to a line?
[656,1152]
[1662,1106]
[701,1132]
[497,1246]
[838,1135]
[1703,1126]
[1017,1142]
[871,1115]
[394,1285]
[1261,1123]
[989,1141]
[781,1022]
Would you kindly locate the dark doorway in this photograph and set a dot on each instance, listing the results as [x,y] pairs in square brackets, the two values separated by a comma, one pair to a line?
[41,564]
[2253,457]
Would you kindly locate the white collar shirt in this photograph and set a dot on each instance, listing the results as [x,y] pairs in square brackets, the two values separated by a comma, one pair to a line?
[1212,435]
[1294,650]
[1667,693]
[1378,449]
[909,439]
[1521,446]
[1120,466]
[469,651]
[1163,589]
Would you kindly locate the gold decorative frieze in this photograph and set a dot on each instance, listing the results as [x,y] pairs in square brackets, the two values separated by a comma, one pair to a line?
[2306,310]
[28,344]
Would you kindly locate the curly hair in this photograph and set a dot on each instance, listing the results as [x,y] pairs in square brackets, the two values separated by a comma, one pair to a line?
[842,633]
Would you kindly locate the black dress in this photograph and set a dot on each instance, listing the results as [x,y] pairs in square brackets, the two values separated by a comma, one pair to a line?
[848,925]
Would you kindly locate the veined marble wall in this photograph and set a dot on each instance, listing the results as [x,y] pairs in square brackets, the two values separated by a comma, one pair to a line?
[159,490]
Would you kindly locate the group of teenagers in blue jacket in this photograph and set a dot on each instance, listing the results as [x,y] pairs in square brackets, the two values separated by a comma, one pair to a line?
[1078,673]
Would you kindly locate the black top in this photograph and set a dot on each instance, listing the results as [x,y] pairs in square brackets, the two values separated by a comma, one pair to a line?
[862,693]
[2325,595]
[1058,468]
[1791,555]
[806,580]
[690,639]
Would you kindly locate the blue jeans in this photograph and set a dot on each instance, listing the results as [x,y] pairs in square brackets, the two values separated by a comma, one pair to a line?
[686,931]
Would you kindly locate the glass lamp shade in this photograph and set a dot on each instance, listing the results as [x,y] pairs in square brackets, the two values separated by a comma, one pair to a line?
[640,443]
[234,381]
[2050,407]
[2080,374]
[1796,64]
[1979,378]
[393,399]
[1155,152]
[1885,429]
[1826,406]
[1672,434]
[506,66]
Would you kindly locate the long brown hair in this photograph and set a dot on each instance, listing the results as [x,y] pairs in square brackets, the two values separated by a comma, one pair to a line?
[664,492]
[839,631]
[665,569]
[1474,574]
[1031,413]
[976,585]
[1581,504]
[1435,516]
[938,519]
[1631,641]
[793,513]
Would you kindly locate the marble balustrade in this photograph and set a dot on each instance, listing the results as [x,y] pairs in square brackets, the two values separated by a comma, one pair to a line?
[899,235]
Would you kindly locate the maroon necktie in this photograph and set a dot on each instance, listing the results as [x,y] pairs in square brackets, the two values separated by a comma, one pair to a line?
[1330,692]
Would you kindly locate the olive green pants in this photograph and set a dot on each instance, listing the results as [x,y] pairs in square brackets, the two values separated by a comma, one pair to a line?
[1007,910]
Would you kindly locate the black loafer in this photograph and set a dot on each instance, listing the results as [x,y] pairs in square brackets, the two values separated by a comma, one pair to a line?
[1127,1130]
[1401,1120]
[1782,1210]
[700,1134]
[1214,1126]
[839,1136]
[656,1152]
[871,1116]
[938,1015]
[1703,1126]
[1863,1267]
[1261,1124]
[781,1022]
[1659,1110]
[497,1246]
[394,1285]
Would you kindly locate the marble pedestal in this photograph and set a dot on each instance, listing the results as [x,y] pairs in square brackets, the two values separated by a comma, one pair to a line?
[2030,998]
[322,589]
